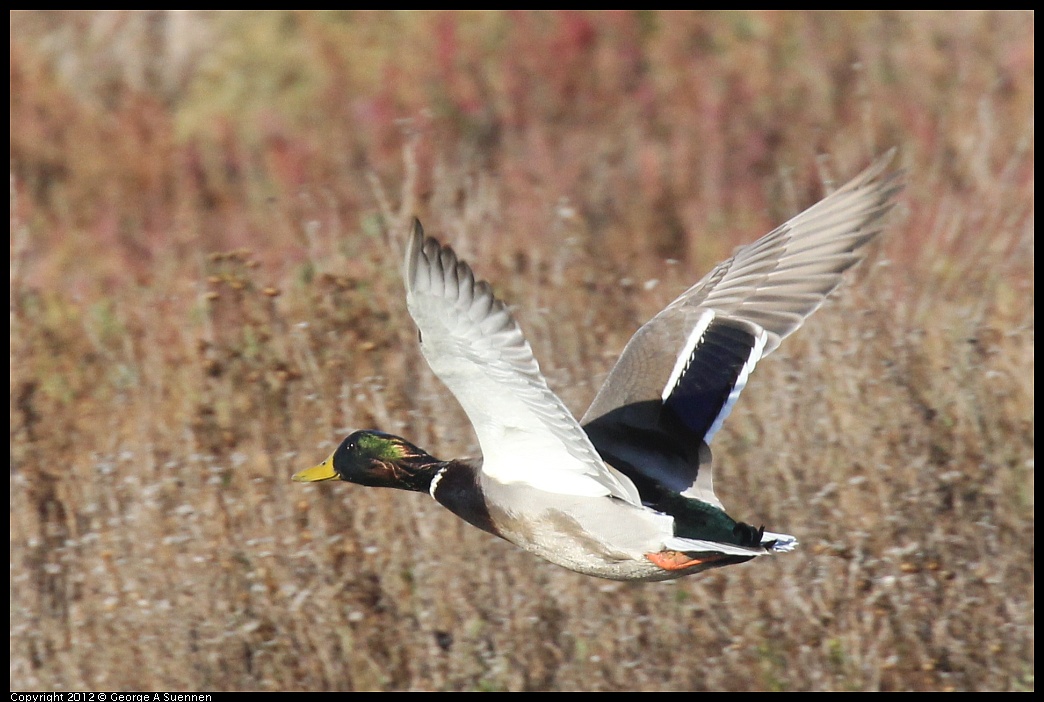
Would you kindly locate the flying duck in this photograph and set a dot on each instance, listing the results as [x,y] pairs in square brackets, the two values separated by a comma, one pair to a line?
[626,493]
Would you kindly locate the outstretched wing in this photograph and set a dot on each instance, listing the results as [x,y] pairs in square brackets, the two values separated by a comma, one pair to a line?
[473,344]
[681,373]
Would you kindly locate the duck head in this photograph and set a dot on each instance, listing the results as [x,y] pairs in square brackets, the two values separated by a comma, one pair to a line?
[376,459]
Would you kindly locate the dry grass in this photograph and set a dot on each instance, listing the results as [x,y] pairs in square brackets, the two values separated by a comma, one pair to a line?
[205,298]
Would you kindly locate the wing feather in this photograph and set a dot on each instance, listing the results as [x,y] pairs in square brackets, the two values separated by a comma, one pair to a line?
[474,346]
[770,286]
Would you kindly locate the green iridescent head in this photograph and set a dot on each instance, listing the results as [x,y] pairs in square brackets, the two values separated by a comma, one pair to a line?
[375,459]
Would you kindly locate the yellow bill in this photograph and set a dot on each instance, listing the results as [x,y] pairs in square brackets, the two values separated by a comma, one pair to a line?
[323,471]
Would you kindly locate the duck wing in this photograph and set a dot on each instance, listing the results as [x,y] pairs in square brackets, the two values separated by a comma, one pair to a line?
[475,347]
[681,373]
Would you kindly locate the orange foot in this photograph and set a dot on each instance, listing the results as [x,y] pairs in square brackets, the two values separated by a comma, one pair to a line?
[676,560]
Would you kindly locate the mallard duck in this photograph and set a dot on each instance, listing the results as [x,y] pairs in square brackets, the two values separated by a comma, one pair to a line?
[626,493]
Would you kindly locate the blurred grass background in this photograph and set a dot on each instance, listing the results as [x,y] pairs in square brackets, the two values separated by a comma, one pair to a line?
[206,210]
